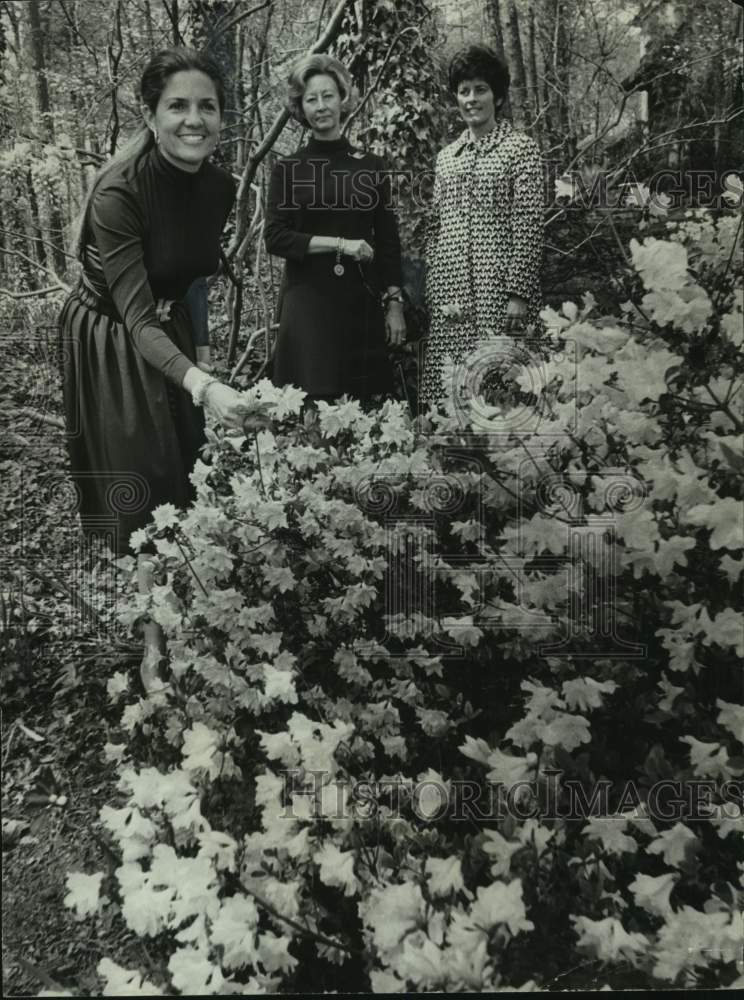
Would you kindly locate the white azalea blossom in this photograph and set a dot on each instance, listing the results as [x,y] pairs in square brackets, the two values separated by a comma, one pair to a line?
[610,830]
[584,693]
[392,912]
[674,844]
[193,973]
[234,928]
[501,849]
[509,770]
[608,940]
[708,759]
[337,868]
[728,818]
[731,716]
[444,875]
[691,938]
[120,982]
[501,903]
[533,834]
[83,893]
[652,892]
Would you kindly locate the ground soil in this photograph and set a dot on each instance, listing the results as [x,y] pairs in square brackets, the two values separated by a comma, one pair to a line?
[43,945]
[56,652]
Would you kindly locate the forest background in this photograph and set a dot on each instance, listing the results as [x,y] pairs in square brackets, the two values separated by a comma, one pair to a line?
[617,95]
[638,111]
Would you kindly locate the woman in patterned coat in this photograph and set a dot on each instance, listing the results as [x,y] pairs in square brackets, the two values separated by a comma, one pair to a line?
[486,237]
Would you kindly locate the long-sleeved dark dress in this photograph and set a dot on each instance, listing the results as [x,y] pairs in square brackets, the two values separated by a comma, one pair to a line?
[331,336]
[126,340]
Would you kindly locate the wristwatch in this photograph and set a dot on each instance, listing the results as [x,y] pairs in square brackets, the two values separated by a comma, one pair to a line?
[389,297]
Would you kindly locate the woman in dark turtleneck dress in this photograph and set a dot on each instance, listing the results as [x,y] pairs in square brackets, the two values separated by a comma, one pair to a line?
[330,216]
[151,226]
[133,390]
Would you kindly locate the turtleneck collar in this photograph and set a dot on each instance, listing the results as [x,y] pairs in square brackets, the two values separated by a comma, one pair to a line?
[174,174]
[328,145]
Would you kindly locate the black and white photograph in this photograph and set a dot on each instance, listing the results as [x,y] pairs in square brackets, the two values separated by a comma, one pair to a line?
[372,492]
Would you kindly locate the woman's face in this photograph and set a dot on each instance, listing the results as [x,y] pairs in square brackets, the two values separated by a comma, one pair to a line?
[477,105]
[187,119]
[321,103]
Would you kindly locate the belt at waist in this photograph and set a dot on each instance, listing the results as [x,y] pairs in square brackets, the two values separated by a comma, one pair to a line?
[103,304]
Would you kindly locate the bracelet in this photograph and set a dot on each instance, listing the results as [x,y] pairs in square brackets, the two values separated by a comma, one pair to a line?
[338,268]
[389,297]
[199,390]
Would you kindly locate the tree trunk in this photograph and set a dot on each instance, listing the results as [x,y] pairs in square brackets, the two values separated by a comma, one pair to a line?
[115,52]
[148,26]
[38,62]
[36,45]
[12,13]
[173,14]
[557,73]
[262,76]
[254,128]
[516,66]
[563,64]
[493,13]
[207,34]
[530,65]
[240,99]
[78,109]
[3,47]
[33,204]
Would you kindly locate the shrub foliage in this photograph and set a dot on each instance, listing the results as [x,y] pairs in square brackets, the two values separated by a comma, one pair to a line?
[456,704]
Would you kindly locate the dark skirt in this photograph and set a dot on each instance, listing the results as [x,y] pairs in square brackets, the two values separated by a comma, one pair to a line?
[331,337]
[132,436]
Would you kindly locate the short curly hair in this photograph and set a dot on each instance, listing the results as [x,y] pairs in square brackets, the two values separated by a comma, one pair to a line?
[315,65]
[479,62]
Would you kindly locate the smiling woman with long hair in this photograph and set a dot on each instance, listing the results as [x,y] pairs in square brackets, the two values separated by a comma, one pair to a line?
[330,217]
[133,392]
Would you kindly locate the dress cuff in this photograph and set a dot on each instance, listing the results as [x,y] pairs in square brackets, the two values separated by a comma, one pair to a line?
[178,368]
[300,243]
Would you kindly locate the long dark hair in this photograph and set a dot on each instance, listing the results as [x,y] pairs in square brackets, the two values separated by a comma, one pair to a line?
[159,69]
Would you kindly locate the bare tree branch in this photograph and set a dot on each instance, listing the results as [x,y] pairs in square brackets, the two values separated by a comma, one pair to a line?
[174,17]
[44,418]
[78,33]
[241,363]
[29,260]
[113,58]
[652,145]
[241,17]
[304,931]
[30,295]
[37,239]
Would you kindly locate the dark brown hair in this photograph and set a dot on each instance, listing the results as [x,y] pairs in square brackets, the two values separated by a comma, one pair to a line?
[159,69]
[479,62]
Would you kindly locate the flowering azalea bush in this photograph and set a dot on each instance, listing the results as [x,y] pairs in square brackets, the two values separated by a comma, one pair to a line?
[456,704]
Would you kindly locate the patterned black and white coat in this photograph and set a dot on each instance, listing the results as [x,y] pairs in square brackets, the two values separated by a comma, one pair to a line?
[485,243]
